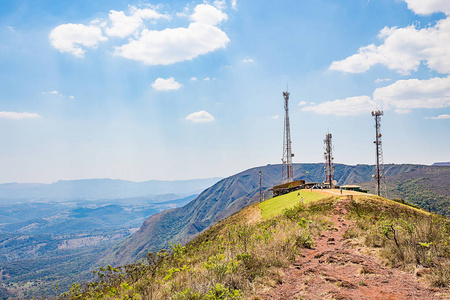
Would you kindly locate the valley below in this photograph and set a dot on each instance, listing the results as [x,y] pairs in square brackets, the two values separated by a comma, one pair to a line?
[55,238]
[39,253]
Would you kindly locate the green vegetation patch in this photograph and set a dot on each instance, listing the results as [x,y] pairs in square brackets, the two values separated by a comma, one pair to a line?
[421,192]
[275,206]
[424,186]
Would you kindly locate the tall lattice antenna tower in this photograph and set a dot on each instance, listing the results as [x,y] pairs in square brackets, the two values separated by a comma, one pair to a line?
[379,171]
[328,155]
[288,172]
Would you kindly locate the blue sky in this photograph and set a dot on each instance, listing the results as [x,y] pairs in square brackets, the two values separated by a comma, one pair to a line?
[169,90]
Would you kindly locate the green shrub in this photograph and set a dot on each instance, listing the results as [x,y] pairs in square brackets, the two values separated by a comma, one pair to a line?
[187,294]
[220,292]
[305,240]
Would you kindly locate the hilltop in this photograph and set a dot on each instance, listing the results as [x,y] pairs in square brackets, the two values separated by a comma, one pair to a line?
[331,246]
[222,200]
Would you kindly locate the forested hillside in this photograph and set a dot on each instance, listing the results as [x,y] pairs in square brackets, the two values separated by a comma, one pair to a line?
[427,187]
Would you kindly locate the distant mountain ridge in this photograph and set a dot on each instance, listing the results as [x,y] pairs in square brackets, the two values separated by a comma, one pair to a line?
[223,199]
[441,164]
[102,188]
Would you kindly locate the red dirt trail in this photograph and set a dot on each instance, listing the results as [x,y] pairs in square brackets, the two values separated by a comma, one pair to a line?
[335,270]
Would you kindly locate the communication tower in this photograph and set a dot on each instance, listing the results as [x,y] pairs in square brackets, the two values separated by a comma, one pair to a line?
[328,155]
[288,172]
[379,171]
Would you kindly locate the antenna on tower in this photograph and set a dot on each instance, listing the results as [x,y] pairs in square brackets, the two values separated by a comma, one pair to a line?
[329,165]
[287,173]
[379,170]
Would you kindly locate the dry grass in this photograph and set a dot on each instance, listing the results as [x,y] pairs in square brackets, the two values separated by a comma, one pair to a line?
[233,260]
[408,237]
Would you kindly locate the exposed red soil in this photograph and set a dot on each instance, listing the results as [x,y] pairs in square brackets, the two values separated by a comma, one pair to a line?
[335,270]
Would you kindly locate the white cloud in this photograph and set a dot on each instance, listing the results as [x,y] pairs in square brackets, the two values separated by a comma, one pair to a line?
[152,47]
[381,80]
[440,117]
[427,7]
[206,79]
[345,107]
[220,4]
[248,60]
[276,117]
[173,45]
[200,117]
[403,49]
[234,4]
[301,103]
[96,22]
[10,28]
[405,95]
[71,38]
[56,93]
[184,13]
[357,63]
[123,25]
[194,78]
[168,84]
[53,93]
[401,96]
[208,14]
[18,116]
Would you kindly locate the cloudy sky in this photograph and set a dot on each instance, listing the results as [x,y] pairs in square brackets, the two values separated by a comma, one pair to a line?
[168,90]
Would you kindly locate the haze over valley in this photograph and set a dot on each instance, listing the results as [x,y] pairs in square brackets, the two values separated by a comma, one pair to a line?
[59,230]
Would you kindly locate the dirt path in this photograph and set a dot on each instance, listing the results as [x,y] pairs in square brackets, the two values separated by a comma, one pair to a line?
[334,270]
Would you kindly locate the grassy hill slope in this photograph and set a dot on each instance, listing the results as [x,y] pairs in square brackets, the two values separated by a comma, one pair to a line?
[244,255]
[177,225]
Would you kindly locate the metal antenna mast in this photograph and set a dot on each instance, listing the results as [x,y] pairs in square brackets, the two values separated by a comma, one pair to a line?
[328,155]
[288,173]
[379,171]
[260,187]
